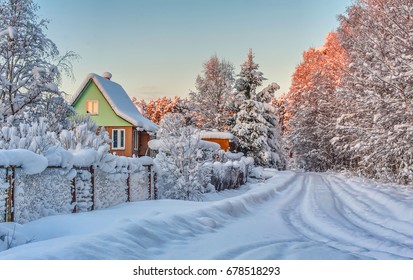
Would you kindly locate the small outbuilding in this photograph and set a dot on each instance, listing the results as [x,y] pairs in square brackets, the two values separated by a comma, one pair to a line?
[224,139]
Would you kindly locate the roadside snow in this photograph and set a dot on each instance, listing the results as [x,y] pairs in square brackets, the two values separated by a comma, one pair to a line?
[290,216]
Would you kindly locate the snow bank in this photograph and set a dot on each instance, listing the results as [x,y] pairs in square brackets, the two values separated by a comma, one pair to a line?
[30,162]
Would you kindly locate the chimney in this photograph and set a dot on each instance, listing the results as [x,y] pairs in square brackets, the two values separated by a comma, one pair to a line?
[107,75]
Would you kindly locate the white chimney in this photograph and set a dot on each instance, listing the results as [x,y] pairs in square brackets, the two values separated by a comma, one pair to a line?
[107,75]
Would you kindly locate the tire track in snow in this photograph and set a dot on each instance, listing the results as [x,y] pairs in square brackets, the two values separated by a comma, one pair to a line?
[321,215]
[390,234]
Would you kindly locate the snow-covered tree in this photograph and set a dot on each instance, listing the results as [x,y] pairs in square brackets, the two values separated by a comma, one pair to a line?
[156,109]
[375,125]
[258,134]
[184,169]
[213,92]
[312,107]
[249,79]
[30,67]
[255,122]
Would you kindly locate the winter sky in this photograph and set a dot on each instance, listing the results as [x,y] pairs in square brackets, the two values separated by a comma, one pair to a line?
[157,47]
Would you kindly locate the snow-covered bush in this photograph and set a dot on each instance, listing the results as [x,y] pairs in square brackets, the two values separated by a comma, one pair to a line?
[82,133]
[35,137]
[231,173]
[182,162]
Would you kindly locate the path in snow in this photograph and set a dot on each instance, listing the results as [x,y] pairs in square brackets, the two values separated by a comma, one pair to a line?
[290,216]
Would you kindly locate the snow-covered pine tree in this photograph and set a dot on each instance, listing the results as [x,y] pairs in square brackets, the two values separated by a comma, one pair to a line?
[258,134]
[256,125]
[213,92]
[184,169]
[249,79]
[31,67]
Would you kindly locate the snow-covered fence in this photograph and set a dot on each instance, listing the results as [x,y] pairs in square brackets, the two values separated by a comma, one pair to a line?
[28,193]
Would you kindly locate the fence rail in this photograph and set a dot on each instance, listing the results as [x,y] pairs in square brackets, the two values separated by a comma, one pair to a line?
[81,192]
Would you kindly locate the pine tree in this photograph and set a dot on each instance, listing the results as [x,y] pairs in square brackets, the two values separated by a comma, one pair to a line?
[256,125]
[249,79]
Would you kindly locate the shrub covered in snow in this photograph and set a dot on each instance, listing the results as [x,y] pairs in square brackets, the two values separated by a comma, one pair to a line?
[230,174]
[182,163]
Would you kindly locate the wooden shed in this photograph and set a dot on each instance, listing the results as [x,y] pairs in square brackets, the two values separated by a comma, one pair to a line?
[224,139]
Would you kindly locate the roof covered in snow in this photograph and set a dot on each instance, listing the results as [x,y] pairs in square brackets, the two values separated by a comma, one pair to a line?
[119,100]
[157,144]
[216,135]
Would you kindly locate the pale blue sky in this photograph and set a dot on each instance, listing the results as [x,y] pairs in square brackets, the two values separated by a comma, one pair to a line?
[157,47]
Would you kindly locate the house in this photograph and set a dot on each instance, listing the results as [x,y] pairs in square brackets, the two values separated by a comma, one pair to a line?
[224,139]
[110,106]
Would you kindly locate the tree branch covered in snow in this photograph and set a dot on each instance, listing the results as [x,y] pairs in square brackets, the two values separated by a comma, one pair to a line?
[30,67]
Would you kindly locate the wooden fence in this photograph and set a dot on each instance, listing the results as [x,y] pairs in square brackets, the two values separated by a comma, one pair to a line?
[10,177]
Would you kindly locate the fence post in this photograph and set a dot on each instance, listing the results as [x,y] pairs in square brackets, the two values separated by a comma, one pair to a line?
[73,191]
[149,182]
[10,193]
[129,186]
[152,190]
[92,181]
[155,189]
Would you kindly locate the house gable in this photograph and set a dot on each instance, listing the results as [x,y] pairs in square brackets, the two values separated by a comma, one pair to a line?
[118,100]
[106,115]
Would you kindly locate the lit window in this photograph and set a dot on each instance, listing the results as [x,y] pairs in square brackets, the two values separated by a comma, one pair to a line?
[118,139]
[92,107]
[135,140]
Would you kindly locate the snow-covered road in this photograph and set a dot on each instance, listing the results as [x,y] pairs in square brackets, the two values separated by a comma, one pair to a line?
[290,216]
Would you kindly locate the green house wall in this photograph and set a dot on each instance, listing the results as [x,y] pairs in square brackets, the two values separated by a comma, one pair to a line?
[106,116]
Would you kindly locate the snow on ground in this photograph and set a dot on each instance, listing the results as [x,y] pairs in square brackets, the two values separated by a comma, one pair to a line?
[293,215]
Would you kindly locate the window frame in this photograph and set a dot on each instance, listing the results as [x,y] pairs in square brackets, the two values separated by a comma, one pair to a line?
[118,140]
[93,104]
[135,140]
